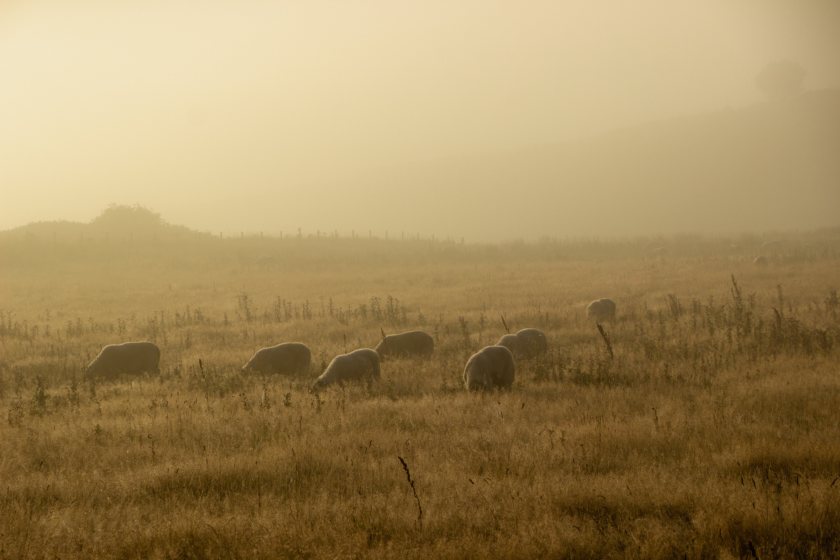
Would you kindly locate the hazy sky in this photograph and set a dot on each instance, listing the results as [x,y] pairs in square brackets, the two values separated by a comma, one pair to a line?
[198,108]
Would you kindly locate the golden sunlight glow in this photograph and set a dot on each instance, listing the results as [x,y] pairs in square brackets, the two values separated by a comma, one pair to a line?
[419,116]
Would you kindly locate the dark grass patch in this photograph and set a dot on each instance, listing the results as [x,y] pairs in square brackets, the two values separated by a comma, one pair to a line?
[293,478]
[789,464]
[816,534]
[618,511]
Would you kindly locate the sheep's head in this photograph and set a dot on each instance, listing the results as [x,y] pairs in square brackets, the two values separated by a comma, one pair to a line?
[316,386]
[94,368]
[322,381]
[382,347]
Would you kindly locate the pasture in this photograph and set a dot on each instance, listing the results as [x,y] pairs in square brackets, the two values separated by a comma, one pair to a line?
[704,425]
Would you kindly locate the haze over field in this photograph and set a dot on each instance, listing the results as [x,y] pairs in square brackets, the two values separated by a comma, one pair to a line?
[479,119]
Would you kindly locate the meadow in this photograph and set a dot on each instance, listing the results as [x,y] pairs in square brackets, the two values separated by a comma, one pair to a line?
[705,424]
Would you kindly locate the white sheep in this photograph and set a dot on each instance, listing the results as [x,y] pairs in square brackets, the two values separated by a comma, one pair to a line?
[357,365]
[492,367]
[285,358]
[526,343]
[601,310]
[128,357]
[411,343]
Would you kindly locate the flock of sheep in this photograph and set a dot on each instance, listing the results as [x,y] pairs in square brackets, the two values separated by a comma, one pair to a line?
[492,367]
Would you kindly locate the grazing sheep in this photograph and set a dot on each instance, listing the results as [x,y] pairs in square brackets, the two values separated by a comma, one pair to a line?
[412,343]
[286,358]
[492,367]
[357,365]
[601,310]
[526,343]
[128,357]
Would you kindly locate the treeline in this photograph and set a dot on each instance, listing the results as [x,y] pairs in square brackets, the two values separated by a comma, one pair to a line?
[123,235]
[34,251]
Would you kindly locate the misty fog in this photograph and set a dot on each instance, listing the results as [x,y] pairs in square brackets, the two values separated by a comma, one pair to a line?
[487,120]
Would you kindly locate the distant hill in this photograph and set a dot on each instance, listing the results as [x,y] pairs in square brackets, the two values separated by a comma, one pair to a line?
[134,240]
[771,166]
[114,223]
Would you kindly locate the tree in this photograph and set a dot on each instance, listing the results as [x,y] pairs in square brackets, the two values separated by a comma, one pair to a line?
[135,218]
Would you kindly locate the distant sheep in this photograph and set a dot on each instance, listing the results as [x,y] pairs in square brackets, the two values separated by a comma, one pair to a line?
[128,357]
[526,343]
[358,365]
[411,343]
[287,358]
[492,367]
[601,310]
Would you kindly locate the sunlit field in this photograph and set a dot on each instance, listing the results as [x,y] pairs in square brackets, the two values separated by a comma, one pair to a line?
[704,425]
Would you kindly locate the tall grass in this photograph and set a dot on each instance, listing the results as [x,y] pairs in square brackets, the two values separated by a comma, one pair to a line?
[701,423]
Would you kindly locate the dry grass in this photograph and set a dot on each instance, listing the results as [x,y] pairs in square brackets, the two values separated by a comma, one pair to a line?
[711,432]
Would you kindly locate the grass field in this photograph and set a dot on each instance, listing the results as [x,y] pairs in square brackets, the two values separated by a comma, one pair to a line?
[712,431]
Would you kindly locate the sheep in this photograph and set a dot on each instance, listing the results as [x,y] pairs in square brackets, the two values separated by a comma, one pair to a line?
[492,367]
[411,343]
[601,310]
[357,365]
[128,357]
[286,358]
[526,343]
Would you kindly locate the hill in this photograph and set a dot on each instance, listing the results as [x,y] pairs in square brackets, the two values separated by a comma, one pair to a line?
[771,166]
[115,222]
